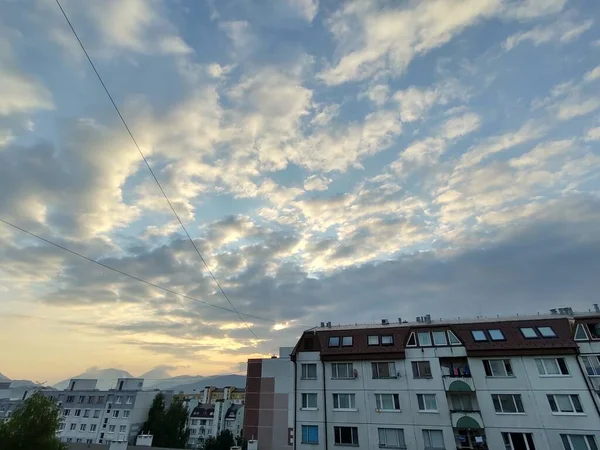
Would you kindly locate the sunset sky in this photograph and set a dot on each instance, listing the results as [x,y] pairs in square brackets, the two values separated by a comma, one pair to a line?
[341,161]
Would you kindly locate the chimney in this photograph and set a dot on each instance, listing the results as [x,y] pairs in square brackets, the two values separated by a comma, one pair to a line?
[399,319]
[596,308]
[328,324]
[419,319]
[322,324]
[428,318]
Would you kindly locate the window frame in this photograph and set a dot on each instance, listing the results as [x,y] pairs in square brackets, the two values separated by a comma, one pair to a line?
[400,441]
[370,338]
[516,404]
[395,401]
[540,363]
[305,403]
[422,403]
[417,373]
[389,364]
[545,327]
[424,333]
[351,401]
[595,367]
[581,326]
[427,432]
[496,330]
[333,339]
[524,333]
[344,342]
[335,372]
[304,375]
[566,440]
[337,436]
[452,336]
[385,337]
[527,438]
[488,369]
[308,439]
[439,333]
[574,401]
[477,337]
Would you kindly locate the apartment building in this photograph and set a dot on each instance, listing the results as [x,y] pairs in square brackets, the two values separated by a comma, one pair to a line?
[206,420]
[269,410]
[212,394]
[520,383]
[93,416]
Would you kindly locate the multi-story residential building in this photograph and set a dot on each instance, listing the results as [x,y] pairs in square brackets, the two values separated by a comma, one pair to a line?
[520,383]
[269,408]
[209,420]
[212,394]
[94,416]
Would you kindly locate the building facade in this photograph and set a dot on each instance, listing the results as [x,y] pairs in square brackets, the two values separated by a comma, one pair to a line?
[208,420]
[93,416]
[526,383]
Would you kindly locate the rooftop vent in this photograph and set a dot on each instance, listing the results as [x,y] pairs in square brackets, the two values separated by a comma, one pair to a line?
[419,319]
[385,322]
[328,324]
[596,308]
[428,318]
[399,319]
[322,324]
[553,311]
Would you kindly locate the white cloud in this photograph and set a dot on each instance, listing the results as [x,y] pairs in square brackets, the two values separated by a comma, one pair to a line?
[562,32]
[531,9]
[593,134]
[592,75]
[377,93]
[316,183]
[575,106]
[20,93]
[371,39]
[306,8]
[461,125]
[241,36]
[174,45]
[415,102]
[325,115]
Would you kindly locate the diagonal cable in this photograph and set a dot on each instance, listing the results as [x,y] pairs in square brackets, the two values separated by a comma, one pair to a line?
[152,172]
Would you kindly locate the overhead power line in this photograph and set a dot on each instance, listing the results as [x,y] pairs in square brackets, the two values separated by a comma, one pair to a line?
[141,280]
[151,171]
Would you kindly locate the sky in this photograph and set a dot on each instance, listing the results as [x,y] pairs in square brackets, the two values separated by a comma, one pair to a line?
[341,161]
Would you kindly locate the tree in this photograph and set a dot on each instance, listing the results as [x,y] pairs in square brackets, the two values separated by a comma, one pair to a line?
[223,441]
[168,426]
[33,425]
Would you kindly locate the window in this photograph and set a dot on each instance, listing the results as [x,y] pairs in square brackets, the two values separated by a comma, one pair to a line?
[412,340]
[387,340]
[498,368]
[434,439]
[66,412]
[421,369]
[86,413]
[496,335]
[383,370]
[508,403]
[125,414]
[344,401]
[424,339]
[61,426]
[309,401]
[453,339]
[91,399]
[116,413]
[70,398]
[334,341]
[73,427]
[568,404]
[342,371]
[119,400]
[310,434]
[122,428]
[387,402]
[552,366]
[391,438]
[193,431]
[427,402]
[580,333]
[82,399]
[373,340]
[579,442]
[347,341]
[479,335]
[96,413]
[82,427]
[439,338]
[461,402]
[546,332]
[129,399]
[309,371]
[529,333]
[92,427]
[101,400]
[592,365]
[518,441]
[77,412]
[345,435]
[111,428]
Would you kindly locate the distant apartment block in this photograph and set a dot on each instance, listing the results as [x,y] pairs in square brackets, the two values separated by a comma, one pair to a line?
[212,394]
[206,420]
[511,383]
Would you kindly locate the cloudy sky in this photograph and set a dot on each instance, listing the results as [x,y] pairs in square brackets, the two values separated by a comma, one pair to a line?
[333,161]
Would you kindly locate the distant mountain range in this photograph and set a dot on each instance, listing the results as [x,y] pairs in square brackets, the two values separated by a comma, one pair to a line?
[107,379]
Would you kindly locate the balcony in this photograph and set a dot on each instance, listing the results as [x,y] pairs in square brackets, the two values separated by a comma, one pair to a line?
[462,419]
[454,383]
